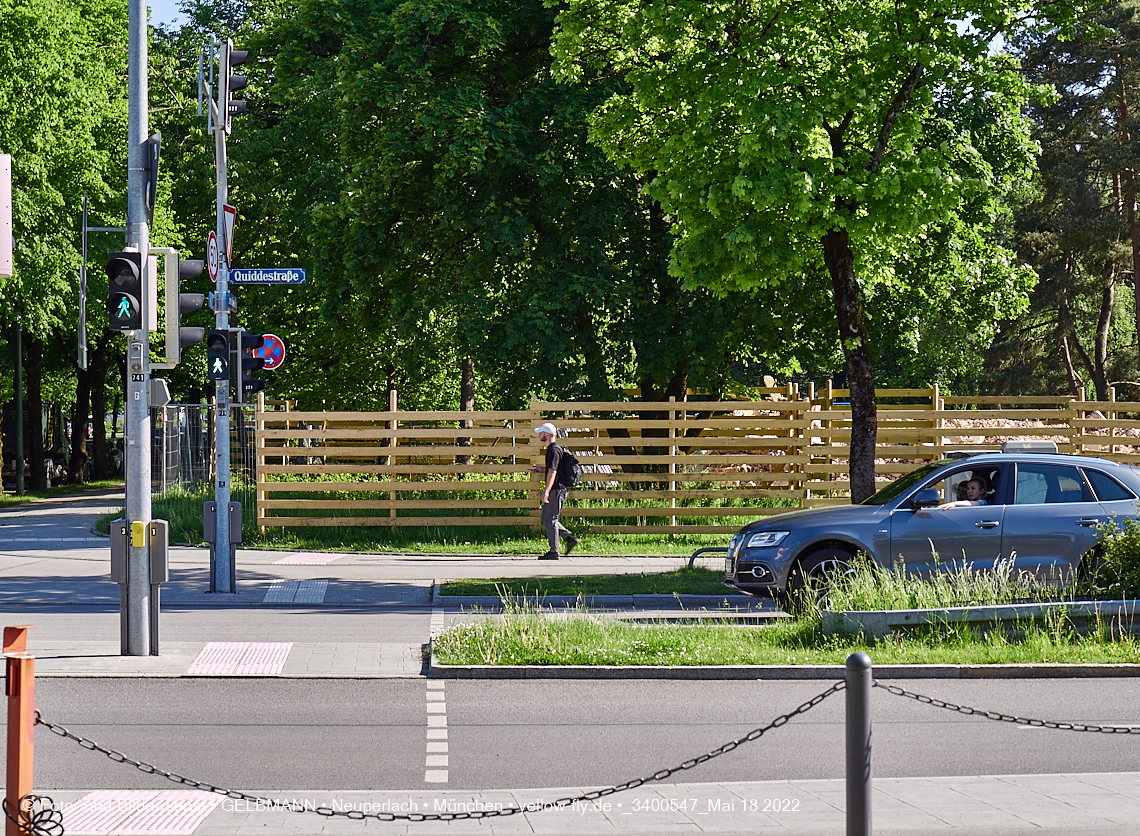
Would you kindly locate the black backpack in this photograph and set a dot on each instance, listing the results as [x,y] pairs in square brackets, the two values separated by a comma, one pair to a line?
[569,470]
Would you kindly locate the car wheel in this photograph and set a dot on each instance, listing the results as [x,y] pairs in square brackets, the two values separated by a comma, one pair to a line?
[811,578]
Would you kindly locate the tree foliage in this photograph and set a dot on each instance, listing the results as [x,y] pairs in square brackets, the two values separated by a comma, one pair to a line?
[791,140]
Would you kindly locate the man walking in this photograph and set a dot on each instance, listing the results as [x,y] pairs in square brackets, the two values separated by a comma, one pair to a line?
[554,493]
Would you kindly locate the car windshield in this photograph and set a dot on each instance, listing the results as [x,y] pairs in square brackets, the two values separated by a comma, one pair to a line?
[900,486]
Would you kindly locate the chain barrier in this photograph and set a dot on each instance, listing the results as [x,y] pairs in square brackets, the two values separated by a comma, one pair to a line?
[1006,718]
[660,775]
[37,815]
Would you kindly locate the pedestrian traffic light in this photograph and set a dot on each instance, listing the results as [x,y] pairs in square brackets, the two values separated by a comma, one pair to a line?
[231,83]
[251,361]
[178,304]
[218,355]
[125,291]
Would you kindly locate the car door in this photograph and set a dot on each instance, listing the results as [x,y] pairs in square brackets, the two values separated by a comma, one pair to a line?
[1051,521]
[927,538]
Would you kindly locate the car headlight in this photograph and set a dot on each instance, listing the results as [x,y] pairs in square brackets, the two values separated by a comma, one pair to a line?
[764,539]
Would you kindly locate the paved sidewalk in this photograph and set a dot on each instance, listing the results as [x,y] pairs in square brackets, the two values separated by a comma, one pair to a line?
[1105,804]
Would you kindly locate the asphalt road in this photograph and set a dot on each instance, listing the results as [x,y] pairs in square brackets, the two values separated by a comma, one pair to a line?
[269,734]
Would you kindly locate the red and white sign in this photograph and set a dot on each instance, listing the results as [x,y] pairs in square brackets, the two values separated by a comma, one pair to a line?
[272,351]
[212,255]
[229,218]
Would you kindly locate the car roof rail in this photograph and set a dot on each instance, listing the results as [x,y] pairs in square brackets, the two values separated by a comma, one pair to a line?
[1029,445]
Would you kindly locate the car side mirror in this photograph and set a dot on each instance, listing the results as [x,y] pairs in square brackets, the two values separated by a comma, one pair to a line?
[926,499]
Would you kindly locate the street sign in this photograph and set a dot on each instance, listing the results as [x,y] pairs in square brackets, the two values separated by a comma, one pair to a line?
[268,275]
[212,255]
[272,351]
[229,217]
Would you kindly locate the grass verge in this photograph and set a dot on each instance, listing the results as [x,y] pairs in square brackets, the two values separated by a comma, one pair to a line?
[683,581]
[528,636]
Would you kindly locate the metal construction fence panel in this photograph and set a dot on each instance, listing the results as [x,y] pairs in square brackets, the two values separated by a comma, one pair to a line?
[183,459]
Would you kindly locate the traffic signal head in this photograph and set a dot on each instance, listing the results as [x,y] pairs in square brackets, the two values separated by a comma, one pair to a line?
[251,361]
[125,291]
[218,355]
[231,83]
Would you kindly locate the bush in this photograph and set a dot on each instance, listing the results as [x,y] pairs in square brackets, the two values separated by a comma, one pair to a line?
[1117,573]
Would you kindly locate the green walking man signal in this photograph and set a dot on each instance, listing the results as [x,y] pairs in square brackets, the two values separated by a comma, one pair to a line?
[218,355]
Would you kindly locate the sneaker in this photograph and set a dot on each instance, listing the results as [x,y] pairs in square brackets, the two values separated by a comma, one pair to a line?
[571,544]
[549,556]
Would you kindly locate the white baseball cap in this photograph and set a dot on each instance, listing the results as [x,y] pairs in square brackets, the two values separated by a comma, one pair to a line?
[548,428]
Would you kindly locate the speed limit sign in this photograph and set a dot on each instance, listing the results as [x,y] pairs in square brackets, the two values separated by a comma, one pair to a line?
[212,254]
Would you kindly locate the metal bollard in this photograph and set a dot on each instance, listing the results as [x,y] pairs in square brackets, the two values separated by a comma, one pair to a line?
[20,688]
[859,744]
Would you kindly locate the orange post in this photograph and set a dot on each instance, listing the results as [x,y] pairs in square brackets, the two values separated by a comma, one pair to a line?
[20,688]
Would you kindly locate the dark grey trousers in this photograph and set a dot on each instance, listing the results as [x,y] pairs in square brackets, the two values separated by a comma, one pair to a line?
[550,511]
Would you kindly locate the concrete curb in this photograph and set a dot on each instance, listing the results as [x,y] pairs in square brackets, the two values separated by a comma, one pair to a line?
[785,672]
[698,603]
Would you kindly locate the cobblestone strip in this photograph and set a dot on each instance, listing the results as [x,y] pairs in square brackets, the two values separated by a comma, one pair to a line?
[436,763]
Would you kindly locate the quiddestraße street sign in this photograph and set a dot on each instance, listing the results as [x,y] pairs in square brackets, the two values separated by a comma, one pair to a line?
[268,275]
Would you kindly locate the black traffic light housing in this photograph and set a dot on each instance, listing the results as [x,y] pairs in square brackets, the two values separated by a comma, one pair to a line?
[231,83]
[218,355]
[125,291]
[250,363]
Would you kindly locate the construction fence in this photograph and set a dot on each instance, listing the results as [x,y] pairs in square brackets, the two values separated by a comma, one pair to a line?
[677,467]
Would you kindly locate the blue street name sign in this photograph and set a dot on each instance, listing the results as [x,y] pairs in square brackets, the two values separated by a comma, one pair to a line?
[268,275]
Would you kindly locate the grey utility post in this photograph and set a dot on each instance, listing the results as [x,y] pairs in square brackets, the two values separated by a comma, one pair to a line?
[135,609]
[859,683]
[220,574]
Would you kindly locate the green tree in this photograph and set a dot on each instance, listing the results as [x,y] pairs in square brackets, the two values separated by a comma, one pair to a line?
[1076,220]
[793,140]
[63,120]
[472,222]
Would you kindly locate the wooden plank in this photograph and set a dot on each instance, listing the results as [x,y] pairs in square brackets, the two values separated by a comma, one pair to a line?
[386,522]
[569,511]
[410,469]
[450,485]
[385,504]
[1011,399]
[1105,423]
[665,406]
[491,433]
[398,415]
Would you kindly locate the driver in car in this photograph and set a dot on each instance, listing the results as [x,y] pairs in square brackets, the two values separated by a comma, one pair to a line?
[975,490]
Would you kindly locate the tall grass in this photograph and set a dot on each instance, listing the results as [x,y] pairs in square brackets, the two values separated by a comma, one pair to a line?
[870,586]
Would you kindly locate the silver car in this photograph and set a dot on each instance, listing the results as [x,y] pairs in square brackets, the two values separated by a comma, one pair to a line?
[1040,511]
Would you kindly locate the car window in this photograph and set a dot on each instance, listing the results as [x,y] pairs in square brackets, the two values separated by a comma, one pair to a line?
[953,486]
[1048,484]
[1107,489]
[900,486]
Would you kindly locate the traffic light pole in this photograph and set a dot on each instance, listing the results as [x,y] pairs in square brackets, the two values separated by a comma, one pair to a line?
[135,594]
[223,580]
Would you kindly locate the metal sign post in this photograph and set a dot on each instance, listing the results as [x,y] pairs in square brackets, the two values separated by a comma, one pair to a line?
[221,575]
[135,609]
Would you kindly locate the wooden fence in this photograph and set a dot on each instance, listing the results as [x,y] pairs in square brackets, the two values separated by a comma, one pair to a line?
[692,467]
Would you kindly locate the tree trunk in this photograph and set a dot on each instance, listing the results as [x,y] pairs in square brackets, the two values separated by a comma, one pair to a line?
[75,466]
[34,374]
[100,461]
[840,261]
[1067,360]
[466,402]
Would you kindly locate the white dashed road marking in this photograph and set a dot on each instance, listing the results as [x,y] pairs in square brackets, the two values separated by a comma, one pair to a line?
[435,761]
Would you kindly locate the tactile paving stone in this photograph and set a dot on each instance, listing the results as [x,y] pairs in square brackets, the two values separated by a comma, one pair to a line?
[296,592]
[307,559]
[241,659]
[138,812]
